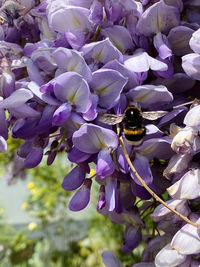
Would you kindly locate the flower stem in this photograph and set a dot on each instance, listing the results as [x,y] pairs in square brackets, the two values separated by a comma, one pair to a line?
[149,190]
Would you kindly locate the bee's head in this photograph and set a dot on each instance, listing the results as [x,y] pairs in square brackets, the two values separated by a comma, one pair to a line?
[132,112]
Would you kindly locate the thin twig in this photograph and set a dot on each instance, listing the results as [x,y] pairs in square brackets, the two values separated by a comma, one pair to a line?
[149,190]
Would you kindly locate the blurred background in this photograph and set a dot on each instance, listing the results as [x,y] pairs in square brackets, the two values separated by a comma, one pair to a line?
[37,228]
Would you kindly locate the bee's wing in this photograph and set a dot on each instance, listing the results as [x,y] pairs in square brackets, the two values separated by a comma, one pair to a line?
[153,115]
[110,119]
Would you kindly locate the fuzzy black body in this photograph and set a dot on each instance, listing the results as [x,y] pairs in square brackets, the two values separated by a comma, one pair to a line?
[134,129]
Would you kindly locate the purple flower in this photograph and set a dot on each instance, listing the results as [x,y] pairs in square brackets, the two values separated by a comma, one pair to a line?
[82,197]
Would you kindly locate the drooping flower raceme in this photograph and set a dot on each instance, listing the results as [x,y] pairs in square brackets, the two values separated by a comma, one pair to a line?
[64,64]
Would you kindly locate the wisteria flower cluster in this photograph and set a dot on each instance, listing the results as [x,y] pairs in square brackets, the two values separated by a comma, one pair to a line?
[65,62]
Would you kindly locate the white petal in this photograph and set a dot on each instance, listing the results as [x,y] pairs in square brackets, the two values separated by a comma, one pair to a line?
[168,257]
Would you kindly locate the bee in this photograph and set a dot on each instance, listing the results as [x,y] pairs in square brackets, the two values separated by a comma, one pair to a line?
[132,119]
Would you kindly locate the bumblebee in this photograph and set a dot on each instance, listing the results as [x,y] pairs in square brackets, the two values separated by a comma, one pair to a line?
[132,120]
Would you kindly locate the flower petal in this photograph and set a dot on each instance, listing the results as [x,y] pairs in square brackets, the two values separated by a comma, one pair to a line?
[33,158]
[73,179]
[92,138]
[110,259]
[108,84]
[105,165]
[169,257]
[16,99]
[71,87]
[61,114]
[82,197]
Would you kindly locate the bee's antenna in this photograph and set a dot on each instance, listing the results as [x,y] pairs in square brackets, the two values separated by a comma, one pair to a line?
[149,190]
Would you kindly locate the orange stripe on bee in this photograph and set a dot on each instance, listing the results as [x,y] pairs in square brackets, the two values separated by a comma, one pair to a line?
[134,132]
[132,107]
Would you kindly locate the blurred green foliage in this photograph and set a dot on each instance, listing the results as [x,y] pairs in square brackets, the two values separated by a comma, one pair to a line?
[54,238]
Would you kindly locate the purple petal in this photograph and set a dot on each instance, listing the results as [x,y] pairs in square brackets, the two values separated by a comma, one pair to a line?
[91,138]
[148,95]
[75,38]
[141,62]
[33,72]
[110,259]
[133,238]
[3,124]
[156,148]
[73,179]
[61,114]
[43,59]
[35,88]
[102,199]
[45,122]
[119,36]
[82,197]
[24,111]
[7,85]
[102,51]
[24,149]
[64,17]
[71,87]
[91,114]
[77,156]
[140,191]
[161,213]
[108,84]
[96,12]
[33,158]
[105,165]
[171,115]
[141,165]
[158,18]
[16,99]
[110,193]
[162,46]
[127,73]
[71,60]
[178,38]
[179,83]
[25,128]
[51,157]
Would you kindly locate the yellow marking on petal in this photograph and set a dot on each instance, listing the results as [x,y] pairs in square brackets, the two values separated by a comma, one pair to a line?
[71,99]
[101,145]
[141,97]
[76,22]
[101,90]
[98,56]
[147,150]
[72,68]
